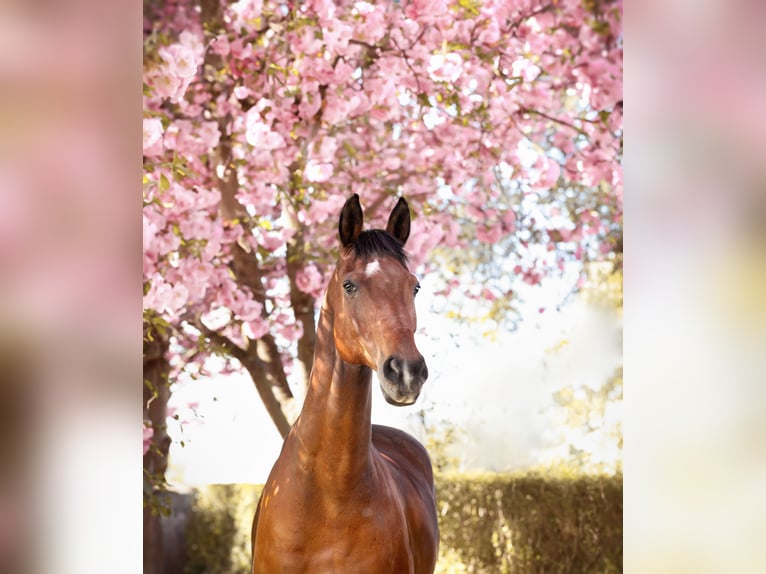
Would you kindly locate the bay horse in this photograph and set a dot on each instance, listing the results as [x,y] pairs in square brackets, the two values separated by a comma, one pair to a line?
[347,496]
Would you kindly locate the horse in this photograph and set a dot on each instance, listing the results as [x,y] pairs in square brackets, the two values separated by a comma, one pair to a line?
[345,495]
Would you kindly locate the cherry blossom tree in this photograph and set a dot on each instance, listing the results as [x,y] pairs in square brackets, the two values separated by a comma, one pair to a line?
[500,122]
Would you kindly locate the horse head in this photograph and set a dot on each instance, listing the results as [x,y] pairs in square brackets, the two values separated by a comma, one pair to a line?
[372,297]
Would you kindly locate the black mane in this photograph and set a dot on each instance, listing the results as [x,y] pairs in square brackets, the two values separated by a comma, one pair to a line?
[376,242]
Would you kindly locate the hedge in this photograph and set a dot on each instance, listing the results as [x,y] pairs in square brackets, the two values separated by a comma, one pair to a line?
[531,523]
[489,524]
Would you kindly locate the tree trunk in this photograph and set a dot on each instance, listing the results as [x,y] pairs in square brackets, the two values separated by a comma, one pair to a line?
[261,358]
[302,303]
[156,395]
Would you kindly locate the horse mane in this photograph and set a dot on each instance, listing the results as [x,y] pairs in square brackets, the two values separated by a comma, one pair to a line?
[376,242]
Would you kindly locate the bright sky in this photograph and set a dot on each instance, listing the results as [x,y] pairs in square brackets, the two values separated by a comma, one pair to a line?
[497,394]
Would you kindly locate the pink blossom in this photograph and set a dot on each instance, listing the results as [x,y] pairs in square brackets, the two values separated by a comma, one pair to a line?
[489,234]
[374,26]
[325,9]
[309,280]
[245,11]
[180,60]
[167,86]
[166,298]
[272,240]
[241,51]
[196,226]
[152,137]
[327,149]
[291,331]
[342,72]
[241,92]
[256,328]
[217,318]
[148,434]
[445,67]
[197,275]
[249,310]
[526,69]
[311,100]
[259,135]
[220,45]
[549,174]
[509,220]
[181,63]
[209,134]
[490,34]
[166,242]
[488,295]
[336,37]
[318,172]
[150,229]
[531,277]
[425,11]
[363,8]
[322,210]
[565,234]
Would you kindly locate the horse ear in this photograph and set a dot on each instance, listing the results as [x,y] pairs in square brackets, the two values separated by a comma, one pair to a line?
[399,221]
[351,220]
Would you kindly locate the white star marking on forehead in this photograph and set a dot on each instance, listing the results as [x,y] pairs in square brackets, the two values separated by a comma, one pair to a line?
[372,268]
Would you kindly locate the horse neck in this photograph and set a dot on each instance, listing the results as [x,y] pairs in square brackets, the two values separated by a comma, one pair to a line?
[333,430]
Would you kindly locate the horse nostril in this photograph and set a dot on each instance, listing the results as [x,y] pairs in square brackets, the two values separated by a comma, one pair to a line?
[393,368]
[401,371]
[423,370]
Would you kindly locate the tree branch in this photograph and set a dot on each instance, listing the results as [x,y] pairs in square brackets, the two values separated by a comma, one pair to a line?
[274,406]
[551,118]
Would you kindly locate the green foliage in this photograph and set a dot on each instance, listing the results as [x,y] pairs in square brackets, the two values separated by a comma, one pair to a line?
[218,532]
[439,438]
[530,523]
[155,493]
[588,413]
[603,283]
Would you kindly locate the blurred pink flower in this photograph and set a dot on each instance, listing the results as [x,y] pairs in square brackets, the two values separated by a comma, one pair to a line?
[489,234]
[148,434]
[318,172]
[165,297]
[249,310]
[220,45]
[445,67]
[309,280]
[152,137]
[260,135]
[425,10]
[257,328]
[180,60]
[209,134]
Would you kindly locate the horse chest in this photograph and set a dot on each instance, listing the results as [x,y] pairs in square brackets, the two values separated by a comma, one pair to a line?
[312,532]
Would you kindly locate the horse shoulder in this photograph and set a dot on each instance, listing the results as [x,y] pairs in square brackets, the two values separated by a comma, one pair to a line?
[405,451]
[407,459]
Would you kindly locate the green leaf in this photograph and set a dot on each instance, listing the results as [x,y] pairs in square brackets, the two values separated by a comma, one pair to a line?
[470,6]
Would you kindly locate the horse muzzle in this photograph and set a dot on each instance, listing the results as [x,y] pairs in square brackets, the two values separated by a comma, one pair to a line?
[401,379]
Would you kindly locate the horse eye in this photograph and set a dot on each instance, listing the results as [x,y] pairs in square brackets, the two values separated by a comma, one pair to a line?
[350,287]
[417,288]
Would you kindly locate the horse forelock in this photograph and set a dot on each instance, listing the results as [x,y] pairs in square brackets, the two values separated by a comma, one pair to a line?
[377,243]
